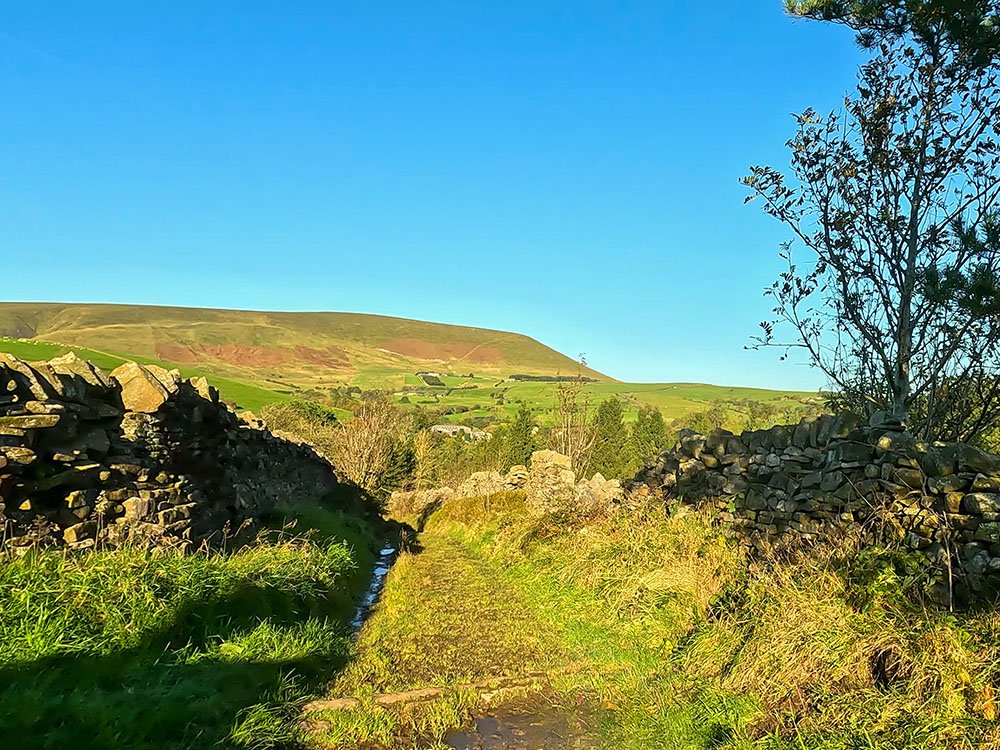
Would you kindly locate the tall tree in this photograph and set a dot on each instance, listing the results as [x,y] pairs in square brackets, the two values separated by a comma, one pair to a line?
[649,433]
[895,200]
[610,455]
[519,439]
[573,434]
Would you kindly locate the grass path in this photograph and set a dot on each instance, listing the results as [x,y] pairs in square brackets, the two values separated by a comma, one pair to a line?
[445,619]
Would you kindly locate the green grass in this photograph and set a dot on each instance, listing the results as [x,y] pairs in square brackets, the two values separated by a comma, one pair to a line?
[445,619]
[675,400]
[126,648]
[830,651]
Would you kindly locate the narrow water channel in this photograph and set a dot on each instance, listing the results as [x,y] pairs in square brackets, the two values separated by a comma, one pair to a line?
[386,557]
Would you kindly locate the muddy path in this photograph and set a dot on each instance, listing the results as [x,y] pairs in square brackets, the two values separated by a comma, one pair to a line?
[527,725]
[450,657]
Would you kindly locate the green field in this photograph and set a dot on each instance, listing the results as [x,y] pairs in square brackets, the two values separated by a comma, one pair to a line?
[675,400]
[477,396]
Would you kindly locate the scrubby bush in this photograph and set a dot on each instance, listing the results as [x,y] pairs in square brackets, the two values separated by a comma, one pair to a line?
[308,421]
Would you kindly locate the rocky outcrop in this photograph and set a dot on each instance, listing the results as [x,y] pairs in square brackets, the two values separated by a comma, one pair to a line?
[140,456]
[833,476]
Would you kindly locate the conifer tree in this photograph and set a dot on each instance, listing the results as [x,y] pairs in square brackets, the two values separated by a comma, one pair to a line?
[610,452]
[519,439]
[649,434]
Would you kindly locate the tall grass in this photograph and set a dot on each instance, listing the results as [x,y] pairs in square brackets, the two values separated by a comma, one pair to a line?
[140,648]
[698,647]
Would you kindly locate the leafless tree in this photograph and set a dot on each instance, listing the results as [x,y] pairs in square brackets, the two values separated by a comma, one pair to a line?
[426,469]
[574,433]
[363,444]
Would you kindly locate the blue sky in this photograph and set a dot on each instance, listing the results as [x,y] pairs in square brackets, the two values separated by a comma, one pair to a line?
[568,170]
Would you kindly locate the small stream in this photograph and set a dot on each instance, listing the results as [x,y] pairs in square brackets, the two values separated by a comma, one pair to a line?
[386,557]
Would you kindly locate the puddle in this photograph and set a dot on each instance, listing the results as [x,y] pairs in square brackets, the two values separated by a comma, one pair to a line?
[386,557]
[554,730]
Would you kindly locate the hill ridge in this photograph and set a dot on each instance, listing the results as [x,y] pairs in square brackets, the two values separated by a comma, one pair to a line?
[321,348]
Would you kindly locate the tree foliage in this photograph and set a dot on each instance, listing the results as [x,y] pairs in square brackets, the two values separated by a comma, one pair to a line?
[895,201]
[609,455]
[967,29]
[519,439]
[649,433]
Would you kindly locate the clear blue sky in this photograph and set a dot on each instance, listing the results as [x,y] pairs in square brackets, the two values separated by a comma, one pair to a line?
[566,170]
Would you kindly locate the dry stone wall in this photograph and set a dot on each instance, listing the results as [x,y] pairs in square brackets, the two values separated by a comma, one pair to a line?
[137,456]
[550,486]
[833,476]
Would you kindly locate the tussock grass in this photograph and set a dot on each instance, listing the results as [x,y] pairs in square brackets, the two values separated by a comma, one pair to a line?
[831,649]
[144,649]
[420,725]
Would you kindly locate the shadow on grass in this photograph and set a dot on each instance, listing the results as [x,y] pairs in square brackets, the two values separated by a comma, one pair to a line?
[187,686]
[228,668]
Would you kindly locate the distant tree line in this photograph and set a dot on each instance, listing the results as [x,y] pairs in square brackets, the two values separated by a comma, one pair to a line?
[382,446]
[550,378]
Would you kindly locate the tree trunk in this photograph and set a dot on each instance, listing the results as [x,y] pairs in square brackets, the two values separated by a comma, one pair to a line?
[900,407]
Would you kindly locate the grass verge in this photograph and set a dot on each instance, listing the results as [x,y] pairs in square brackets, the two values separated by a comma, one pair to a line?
[692,648]
[131,648]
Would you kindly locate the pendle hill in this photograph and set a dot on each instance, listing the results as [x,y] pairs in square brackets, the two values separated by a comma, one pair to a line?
[256,358]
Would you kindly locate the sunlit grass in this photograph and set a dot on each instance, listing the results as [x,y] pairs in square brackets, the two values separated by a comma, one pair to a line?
[154,649]
[691,648]
[444,620]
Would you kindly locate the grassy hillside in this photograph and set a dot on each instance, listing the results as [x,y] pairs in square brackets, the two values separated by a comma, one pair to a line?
[257,358]
[278,350]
